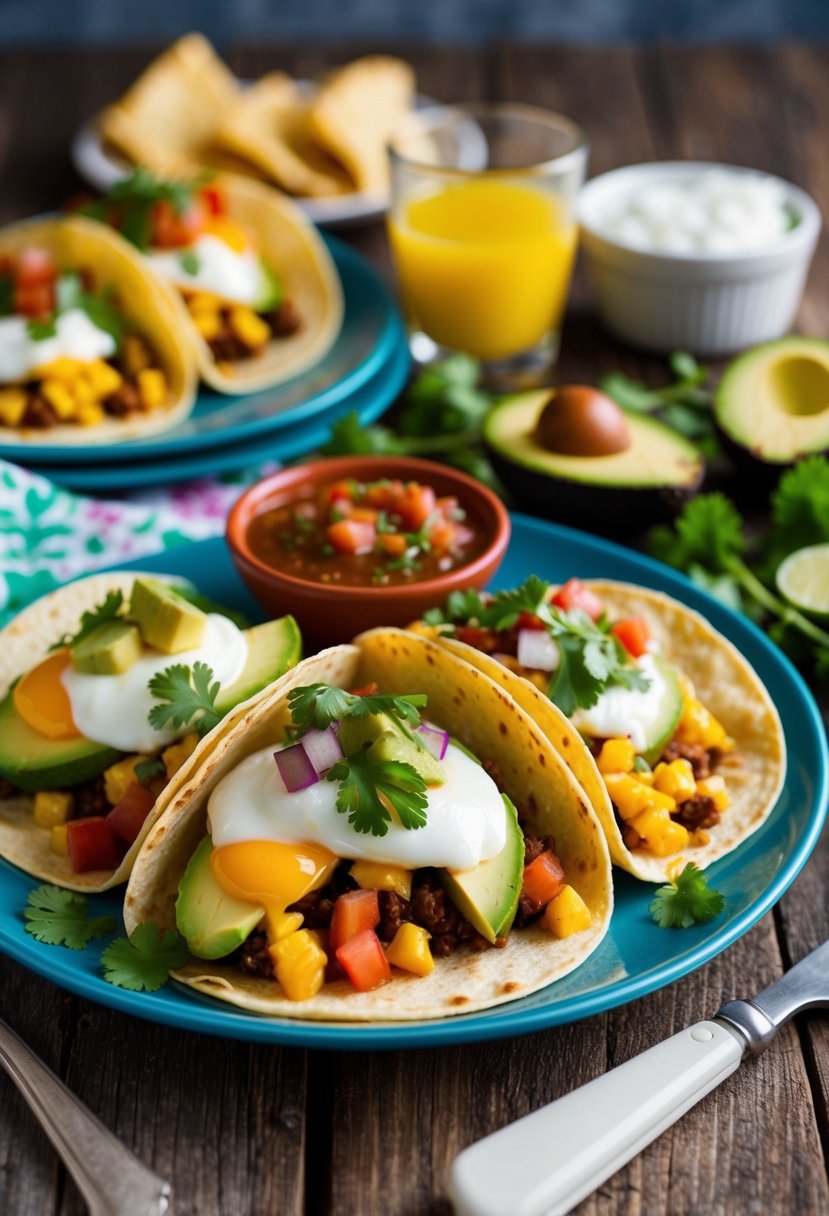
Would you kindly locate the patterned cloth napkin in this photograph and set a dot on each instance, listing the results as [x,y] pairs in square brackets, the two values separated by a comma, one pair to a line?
[49,535]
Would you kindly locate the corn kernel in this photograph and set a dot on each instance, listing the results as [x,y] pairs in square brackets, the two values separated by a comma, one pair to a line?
[698,725]
[249,328]
[299,963]
[377,876]
[58,840]
[52,807]
[175,755]
[12,405]
[566,914]
[661,834]
[102,378]
[152,388]
[632,796]
[675,779]
[91,414]
[616,756]
[208,324]
[62,368]
[83,392]
[135,354]
[715,788]
[119,777]
[409,950]
[61,397]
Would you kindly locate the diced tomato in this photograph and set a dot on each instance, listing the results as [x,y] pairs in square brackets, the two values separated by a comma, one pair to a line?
[393,543]
[363,961]
[384,494]
[482,639]
[34,268]
[415,505]
[341,491]
[574,594]
[634,634]
[442,535]
[353,912]
[367,690]
[528,620]
[127,816]
[214,200]
[543,878]
[35,301]
[363,515]
[169,230]
[351,536]
[91,844]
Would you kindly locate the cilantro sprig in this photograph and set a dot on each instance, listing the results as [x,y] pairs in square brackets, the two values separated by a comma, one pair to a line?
[90,620]
[684,404]
[188,697]
[60,918]
[318,705]
[369,787]
[143,961]
[686,900]
[70,293]
[133,200]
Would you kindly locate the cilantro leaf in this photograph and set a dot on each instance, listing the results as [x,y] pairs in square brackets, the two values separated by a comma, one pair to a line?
[687,900]
[59,918]
[189,262]
[709,531]
[506,607]
[369,787]
[104,313]
[799,510]
[318,705]
[145,769]
[135,197]
[190,697]
[107,611]
[349,437]
[142,962]
[39,331]
[460,608]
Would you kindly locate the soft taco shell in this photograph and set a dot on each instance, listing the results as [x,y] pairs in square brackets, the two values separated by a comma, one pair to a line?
[294,249]
[725,683]
[23,643]
[485,719]
[153,311]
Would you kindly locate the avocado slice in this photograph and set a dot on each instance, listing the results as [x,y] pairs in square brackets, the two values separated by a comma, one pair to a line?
[355,733]
[662,729]
[166,621]
[271,291]
[772,403]
[391,745]
[213,922]
[31,762]
[487,894]
[648,480]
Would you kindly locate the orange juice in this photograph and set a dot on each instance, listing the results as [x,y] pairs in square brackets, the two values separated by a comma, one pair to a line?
[484,265]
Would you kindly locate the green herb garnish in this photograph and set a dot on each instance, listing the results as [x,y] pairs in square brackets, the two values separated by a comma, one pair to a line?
[687,900]
[189,262]
[369,787]
[190,698]
[39,330]
[318,705]
[107,611]
[134,199]
[685,404]
[59,918]
[143,961]
[70,293]
[146,769]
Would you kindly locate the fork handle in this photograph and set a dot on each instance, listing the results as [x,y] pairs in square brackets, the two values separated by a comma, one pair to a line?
[547,1162]
[112,1181]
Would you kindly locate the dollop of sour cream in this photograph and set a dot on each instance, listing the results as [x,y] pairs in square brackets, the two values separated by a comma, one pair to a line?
[75,337]
[114,709]
[718,211]
[621,712]
[466,818]
[216,268]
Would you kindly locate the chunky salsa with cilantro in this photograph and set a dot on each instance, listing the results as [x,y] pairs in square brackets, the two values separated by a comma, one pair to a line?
[375,534]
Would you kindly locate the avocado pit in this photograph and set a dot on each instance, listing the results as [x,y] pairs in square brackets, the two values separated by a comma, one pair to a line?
[578,420]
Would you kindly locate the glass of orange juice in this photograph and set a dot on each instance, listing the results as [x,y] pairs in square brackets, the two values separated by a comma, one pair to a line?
[483,233]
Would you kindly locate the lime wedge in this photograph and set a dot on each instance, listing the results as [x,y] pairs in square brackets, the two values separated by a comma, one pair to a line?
[803,579]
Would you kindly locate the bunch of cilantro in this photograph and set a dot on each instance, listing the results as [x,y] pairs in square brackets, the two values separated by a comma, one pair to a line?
[708,542]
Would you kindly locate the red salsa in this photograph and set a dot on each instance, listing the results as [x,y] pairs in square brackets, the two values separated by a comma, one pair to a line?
[375,534]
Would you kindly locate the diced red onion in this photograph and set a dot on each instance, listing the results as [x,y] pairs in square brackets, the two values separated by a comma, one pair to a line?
[295,769]
[322,747]
[538,650]
[436,741]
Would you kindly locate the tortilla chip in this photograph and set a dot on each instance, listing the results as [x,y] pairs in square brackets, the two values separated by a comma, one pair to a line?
[166,120]
[268,127]
[484,718]
[355,111]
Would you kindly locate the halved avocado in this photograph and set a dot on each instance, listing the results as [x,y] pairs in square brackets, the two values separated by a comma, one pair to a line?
[650,480]
[772,404]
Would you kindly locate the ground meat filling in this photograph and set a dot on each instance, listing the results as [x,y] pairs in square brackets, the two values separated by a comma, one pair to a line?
[7,790]
[697,813]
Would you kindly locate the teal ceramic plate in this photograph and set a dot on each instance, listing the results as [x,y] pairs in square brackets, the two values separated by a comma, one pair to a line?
[370,334]
[635,958]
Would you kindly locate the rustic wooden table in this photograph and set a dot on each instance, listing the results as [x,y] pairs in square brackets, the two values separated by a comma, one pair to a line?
[256,1130]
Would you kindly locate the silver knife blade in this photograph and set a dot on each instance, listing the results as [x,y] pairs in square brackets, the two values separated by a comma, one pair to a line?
[804,986]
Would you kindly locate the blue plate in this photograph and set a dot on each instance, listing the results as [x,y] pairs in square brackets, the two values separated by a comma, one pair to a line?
[369,401]
[635,958]
[370,334]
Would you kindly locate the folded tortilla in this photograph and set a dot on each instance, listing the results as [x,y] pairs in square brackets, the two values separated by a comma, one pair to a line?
[483,718]
[727,685]
[153,312]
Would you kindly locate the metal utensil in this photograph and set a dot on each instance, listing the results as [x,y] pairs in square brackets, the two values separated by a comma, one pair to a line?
[547,1162]
[112,1181]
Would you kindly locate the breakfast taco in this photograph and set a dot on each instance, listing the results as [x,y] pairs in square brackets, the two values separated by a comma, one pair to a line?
[411,848]
[90,349]
[262,300]
[113,688]
[665,725]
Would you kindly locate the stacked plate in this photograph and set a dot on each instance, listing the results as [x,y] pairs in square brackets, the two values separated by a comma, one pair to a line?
[363,372]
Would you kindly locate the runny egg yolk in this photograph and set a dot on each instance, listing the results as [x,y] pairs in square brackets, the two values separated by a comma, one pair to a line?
[273,874]
[42,701]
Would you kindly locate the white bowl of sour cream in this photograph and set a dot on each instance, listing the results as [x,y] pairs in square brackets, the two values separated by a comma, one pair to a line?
[687,255]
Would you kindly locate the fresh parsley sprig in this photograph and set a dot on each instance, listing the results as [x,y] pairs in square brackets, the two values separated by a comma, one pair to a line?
[143,961]
[318,705]
[188,696]
[686,900]
[60,918]
[369,788]
[107,611]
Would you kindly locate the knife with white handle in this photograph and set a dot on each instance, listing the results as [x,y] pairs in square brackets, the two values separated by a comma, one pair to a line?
[547,1162]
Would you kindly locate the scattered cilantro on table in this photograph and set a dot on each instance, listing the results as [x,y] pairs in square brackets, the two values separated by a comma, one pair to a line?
[684,404]
[188,697]
[143,961]
[686,900]
[107,611]
[59,918]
